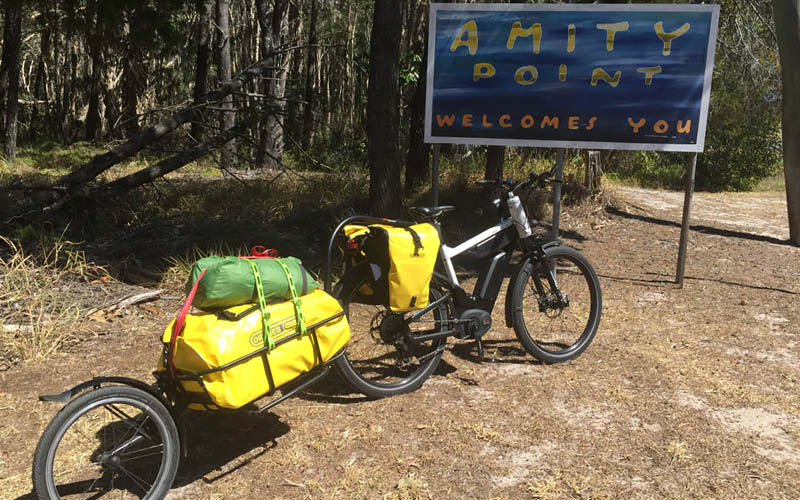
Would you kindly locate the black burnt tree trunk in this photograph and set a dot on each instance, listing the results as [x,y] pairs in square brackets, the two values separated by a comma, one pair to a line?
[11,68]
[494,162]
[383,103]
[95,26]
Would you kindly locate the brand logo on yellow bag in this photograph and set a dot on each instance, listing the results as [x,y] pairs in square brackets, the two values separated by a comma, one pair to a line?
[278,329]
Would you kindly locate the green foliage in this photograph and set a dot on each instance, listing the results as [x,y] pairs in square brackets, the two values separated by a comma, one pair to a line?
[744,144]
[650,169]
[410,72]
[52,157]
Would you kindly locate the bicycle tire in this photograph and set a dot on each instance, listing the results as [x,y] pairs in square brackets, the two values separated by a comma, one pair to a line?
[129,449]
[549,330]
[370,364]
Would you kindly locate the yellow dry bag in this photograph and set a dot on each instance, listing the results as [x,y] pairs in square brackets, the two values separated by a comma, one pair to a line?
[223,356]
[406,256]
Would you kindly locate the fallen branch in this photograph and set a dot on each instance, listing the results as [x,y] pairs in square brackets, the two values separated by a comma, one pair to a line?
[175,162]
[74,181]
[138,299]
[122,303]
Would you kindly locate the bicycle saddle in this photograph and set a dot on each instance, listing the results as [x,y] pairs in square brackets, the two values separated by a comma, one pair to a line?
[430,212]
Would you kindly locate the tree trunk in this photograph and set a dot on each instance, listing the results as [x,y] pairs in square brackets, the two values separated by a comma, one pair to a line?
[293,125]
[495,157]
[69,124]
[224,77]
[11,50]
[270,148]
[383,103]
[277,89]
[8,14]
[38,87]
[311,68]
[204,9]
[94,122]
[130,80]
[787,24]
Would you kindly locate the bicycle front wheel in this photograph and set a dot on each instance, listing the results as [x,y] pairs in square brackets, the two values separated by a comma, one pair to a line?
[556,305]
[381,359]
[113,442]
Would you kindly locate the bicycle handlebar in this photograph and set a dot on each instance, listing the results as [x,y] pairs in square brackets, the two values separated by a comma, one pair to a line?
[534,178]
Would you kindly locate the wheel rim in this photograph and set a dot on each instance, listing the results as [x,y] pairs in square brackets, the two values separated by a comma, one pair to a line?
[558,324]
[378,350]
[112,448]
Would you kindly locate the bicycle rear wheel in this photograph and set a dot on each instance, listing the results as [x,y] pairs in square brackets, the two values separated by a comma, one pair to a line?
[556,324]
[113,442]
[380,360]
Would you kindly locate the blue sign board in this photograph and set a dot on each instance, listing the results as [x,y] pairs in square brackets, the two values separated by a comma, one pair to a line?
[589,76]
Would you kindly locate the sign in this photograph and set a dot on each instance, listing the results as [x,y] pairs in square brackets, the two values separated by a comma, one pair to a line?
[588,76]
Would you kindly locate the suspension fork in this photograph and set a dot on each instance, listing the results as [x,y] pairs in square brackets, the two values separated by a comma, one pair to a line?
[533,254]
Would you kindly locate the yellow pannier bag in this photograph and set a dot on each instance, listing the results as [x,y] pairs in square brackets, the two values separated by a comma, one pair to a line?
[235,337]
[406,256]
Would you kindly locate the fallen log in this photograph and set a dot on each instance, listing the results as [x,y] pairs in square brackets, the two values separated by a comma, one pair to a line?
[73,182]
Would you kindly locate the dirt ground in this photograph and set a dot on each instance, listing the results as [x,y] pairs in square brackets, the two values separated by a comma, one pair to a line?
[685,393]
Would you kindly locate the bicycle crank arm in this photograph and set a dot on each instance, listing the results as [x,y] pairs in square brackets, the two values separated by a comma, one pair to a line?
[432,336]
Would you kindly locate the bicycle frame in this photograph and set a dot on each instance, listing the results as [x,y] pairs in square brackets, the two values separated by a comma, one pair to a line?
[447,253]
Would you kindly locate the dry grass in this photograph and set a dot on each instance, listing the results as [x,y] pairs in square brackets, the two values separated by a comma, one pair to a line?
[38,315]
[685,393]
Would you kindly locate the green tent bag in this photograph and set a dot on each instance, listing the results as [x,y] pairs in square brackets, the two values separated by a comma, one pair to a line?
[229,281]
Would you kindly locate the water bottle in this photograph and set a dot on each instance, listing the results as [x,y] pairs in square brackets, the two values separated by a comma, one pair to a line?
[518,216]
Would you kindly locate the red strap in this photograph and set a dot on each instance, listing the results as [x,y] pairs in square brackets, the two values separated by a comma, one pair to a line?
[261,252]
[177,327]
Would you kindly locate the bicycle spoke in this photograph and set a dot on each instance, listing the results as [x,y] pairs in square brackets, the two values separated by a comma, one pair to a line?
[140,450]
[127,444]
[91,486]
[136,479]
[126,420]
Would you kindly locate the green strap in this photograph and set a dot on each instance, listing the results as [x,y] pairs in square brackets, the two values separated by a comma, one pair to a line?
[262,304]
[298,310]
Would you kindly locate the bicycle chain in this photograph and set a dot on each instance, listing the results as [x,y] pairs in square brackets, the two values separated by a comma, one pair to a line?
[404,364]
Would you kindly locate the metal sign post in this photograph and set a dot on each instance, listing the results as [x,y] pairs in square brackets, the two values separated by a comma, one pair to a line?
[435,183]
[559,175]
[687,209]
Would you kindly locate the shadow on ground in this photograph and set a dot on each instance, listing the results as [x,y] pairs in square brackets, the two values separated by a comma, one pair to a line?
[699,228]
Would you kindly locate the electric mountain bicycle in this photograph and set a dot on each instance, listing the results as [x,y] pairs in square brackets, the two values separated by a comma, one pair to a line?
[553,300]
